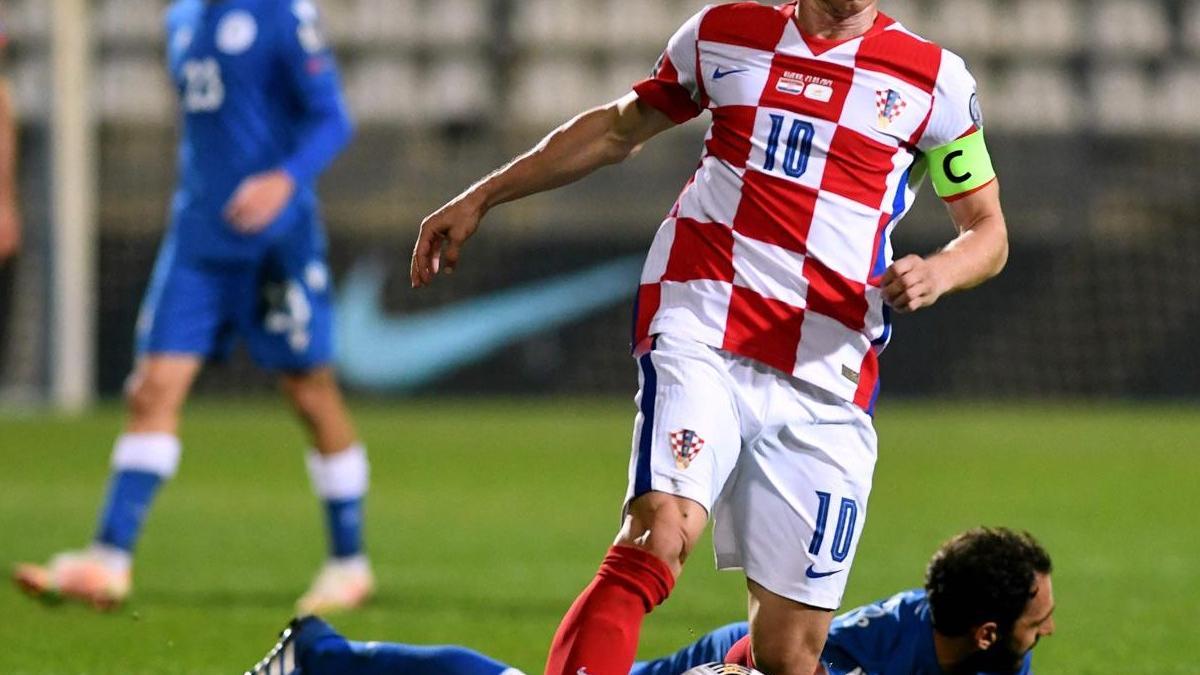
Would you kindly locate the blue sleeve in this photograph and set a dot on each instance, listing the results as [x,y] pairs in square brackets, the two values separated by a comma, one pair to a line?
[337,657]
[708,649]
[861,638]
[311,72]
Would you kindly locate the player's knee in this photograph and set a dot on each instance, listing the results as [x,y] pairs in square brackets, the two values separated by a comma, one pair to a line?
[310,393]
[153,394]
[665,526]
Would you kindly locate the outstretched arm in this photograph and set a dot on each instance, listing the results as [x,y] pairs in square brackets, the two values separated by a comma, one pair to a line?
[976,255]
[599,137]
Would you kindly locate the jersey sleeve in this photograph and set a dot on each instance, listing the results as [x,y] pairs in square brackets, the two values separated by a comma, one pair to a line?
[311,71]
[674,87]
[959,163]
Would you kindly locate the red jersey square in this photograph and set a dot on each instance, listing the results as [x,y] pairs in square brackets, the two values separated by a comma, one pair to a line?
[816,89]
[833,295]
[903,56]
[732,132]
[763,329]
[744,24]
[649,297]
[776,211]
[857,168]
[700,251]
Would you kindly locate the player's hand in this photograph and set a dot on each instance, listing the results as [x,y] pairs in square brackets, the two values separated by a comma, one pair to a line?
[911,283]
[259,200]
[442,236]
[10,230]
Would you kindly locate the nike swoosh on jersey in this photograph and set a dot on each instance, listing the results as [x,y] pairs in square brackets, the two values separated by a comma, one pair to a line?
[390,353]
[813,574]
[718,73]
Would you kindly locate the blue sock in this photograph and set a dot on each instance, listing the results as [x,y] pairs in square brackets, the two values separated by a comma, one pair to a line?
[129,496]
[344,518]
[340,480]
[336,655]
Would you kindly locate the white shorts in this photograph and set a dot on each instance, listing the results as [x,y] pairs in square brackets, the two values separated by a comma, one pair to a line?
[783,467]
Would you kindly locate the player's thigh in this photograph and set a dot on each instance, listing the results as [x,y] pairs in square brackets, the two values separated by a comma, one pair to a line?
[185,310]
[786,636]
[794,512]
[288,321]
[686,435]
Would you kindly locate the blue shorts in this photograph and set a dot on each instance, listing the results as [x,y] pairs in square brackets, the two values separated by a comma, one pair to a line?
[279,304]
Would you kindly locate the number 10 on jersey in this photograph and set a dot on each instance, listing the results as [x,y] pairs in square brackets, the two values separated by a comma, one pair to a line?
[797,143]
[843,534]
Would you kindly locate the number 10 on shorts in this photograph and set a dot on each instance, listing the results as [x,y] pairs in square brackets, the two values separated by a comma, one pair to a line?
[844,532]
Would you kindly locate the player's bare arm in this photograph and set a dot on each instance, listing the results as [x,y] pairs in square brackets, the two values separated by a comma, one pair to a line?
[976,255]
[597,138]
[10,214]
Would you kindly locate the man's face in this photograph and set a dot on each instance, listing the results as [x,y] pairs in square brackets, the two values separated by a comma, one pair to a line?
[1007,654]
[1038,619]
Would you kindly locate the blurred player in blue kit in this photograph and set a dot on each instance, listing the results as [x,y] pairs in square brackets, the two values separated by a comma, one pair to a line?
[986,603]
[244,257]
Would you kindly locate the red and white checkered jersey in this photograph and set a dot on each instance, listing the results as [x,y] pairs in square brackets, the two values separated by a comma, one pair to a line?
[776,247]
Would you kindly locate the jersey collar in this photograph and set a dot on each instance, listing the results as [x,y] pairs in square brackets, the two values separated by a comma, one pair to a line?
[819,45]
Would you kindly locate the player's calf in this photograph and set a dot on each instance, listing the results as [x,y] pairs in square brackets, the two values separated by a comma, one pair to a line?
[599,634]
[340,473]
[787,636]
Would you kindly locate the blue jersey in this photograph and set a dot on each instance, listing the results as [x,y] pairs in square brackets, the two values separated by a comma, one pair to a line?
[890,637]
[258,90]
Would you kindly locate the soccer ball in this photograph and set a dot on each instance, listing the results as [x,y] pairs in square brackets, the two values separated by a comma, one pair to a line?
[721,669]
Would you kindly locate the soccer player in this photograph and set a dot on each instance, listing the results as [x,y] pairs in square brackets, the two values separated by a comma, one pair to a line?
[10,214]
[244,256]
[765,301]
[987,601]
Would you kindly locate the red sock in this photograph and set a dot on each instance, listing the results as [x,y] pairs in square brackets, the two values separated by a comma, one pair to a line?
[599,634]
[740,654]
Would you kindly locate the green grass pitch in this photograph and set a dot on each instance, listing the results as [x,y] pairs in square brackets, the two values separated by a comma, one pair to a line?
[488,516]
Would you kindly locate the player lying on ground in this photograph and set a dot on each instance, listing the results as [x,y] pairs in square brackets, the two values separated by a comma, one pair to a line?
[987,600]
[244,256]
[765,300]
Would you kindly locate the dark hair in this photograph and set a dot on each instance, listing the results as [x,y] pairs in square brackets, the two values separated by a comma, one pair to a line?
[985,574]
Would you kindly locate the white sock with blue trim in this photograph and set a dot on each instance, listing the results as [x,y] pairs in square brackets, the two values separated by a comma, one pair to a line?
[341,481]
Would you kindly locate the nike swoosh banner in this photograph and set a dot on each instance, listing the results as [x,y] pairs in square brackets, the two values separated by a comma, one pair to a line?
[385,353]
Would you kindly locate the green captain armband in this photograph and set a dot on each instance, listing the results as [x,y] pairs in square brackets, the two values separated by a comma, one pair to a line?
[961,166]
